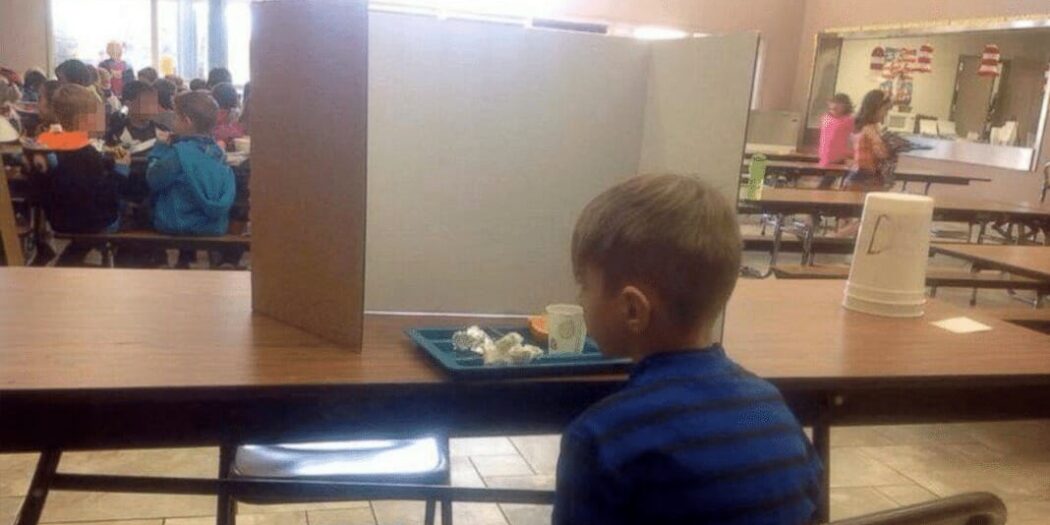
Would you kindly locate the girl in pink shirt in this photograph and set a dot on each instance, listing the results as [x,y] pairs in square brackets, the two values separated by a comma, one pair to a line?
[836,126]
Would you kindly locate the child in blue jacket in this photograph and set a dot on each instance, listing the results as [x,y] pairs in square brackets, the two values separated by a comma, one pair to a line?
[191,187]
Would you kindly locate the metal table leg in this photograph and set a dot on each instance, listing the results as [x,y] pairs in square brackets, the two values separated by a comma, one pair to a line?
[226,510]
[33,505]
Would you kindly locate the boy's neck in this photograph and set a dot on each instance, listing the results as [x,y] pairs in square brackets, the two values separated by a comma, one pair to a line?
[669,341]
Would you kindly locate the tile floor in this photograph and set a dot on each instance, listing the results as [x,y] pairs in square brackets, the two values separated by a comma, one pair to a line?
[872,468]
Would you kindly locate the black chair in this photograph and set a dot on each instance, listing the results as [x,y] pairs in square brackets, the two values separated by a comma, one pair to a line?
[977,508]
[423,461]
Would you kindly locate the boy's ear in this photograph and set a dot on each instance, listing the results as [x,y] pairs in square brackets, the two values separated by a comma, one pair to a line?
[637,309]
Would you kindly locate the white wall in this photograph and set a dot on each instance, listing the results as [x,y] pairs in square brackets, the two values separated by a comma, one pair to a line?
[696,118]
[23,34]
[486,141]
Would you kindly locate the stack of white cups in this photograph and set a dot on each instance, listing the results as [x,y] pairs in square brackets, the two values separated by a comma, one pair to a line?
[888,273]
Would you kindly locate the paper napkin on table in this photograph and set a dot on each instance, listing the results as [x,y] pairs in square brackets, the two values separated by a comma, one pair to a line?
[961,325]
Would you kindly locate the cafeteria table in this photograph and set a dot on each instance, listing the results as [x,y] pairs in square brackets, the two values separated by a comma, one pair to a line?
[116,359]
[1027,261]
[795,169]
[779,203]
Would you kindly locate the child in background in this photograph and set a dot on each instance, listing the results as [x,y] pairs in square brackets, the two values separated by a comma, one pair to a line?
[227,126]
[180,84]
[166,91]
[121,71]
[869,148]
[34,79]
[148,74]
[138,124]
[9,96]
[219,75]
[73,71]
[191,187]
[45,118]
[692,437]
[836,126]
[81,192]
[105,87]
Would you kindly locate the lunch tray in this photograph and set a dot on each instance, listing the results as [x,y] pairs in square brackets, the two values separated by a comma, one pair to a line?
[464,364]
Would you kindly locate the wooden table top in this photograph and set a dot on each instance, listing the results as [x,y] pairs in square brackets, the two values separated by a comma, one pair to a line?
[1029,261]
[852,201]
[69,329]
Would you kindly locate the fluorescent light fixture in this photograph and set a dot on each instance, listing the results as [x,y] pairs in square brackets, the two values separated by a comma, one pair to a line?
[658,33]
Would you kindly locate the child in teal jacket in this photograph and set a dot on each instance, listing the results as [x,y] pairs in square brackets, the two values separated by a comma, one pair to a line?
[191,187]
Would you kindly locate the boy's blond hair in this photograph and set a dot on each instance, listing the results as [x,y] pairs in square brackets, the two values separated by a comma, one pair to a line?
[673,233]
[70,103]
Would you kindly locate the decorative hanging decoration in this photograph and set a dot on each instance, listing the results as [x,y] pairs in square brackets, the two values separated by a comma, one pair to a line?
[878,59]
[909,60]
[925,60]
[990,62]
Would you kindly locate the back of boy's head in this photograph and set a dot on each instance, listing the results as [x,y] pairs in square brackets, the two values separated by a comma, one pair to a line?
[148,74]
[74,72]
[34,78]
[198,84]
[673,233]
[219,75]
[199,108]
[70,102]
[225,95]
[165,93]
[134,89]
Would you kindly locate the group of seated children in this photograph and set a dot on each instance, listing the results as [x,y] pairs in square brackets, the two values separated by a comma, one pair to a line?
[186,189]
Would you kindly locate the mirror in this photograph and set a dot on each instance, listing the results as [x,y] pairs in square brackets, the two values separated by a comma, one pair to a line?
[972,93]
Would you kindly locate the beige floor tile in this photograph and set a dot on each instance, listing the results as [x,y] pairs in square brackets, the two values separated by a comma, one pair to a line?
[284,518]
[858,437]
[9,506]
[851,468]
[464,474]
[481,446]
[909,458]
[1034,512]
[906,494]
[15,472]
[510,465]
[359,516]
[248,508]
[96,506]
[849,502]
[189,462]
[476,514]
[537,481]
[399,512]
[541,452]
[1017,440]
[928,434]
[1008,481]
[527,514]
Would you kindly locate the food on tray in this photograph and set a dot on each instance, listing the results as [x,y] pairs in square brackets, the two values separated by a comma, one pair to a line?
[538,328]
[507,350]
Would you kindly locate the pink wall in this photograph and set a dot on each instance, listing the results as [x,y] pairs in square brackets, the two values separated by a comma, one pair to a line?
[778,21]
[1008,185]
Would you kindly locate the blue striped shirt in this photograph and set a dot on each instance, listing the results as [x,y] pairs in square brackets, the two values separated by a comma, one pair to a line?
[692,438]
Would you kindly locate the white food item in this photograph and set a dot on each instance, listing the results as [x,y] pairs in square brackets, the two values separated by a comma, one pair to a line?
[492,355]
[470,339]
[509,341]
[524,353]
